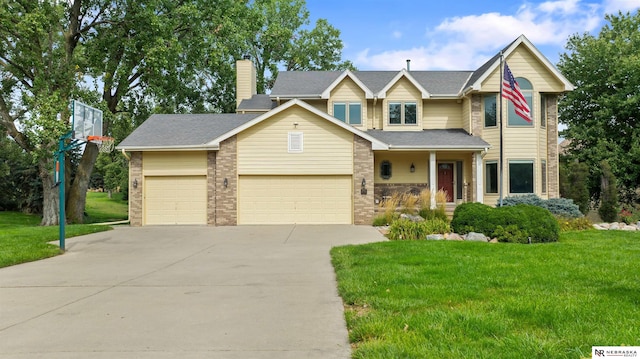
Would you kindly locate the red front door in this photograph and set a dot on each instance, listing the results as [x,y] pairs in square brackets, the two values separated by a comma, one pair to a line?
[445,179]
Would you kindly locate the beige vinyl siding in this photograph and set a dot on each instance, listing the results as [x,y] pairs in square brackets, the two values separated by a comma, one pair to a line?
[375,113]
[349,91]
[175,200]
[524,64]
[466,114]
[174,163]
[263,148]
[402,91]
[245,80]
[441,114]
[400,167]
[319,104]
[295,199]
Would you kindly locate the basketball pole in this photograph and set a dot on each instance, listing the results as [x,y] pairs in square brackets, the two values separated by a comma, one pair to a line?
[62,217]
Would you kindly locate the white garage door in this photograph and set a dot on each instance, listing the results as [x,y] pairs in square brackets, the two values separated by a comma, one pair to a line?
[175,200]
[295,199]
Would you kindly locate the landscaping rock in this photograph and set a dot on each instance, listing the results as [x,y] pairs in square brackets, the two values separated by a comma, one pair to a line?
[629,228]
[603,225]
[494,240]
[435,237]
[614,227]
[412,217]
[453,237]
[599,227]
[476,237]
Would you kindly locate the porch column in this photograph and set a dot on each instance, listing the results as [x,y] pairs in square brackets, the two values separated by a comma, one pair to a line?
[479,178]
[433,181]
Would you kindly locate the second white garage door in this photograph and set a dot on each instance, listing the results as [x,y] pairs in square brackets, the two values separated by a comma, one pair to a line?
[175,200]
[295,199]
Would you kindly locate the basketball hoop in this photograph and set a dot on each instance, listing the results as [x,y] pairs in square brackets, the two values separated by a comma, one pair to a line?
[105,143]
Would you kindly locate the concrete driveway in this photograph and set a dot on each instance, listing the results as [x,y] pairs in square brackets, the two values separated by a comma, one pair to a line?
[181,292]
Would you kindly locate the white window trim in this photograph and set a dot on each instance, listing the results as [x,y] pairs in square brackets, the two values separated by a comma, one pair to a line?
[347,116]
[532,162]
[402,112]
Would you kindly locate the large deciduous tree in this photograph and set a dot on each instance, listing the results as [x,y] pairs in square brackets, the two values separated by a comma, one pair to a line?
[603,113]
[276,37]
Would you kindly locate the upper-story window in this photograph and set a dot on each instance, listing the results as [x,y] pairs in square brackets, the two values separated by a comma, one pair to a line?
[527,91]
[403,113]
[490,116]
[348,112]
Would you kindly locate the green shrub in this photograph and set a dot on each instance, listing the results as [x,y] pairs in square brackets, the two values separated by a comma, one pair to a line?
[563,207]
[510,234]
[519,221]
[473,217]
[438,213]
[436,226]
[404,229]
[385,219]
[574,224]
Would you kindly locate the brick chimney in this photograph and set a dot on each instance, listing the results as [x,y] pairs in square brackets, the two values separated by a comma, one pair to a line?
[245,79]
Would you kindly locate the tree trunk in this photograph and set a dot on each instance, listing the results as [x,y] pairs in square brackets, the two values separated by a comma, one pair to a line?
[51,200]
[77,195]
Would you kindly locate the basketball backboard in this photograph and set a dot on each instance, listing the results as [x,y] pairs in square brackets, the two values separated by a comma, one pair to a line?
[85,120]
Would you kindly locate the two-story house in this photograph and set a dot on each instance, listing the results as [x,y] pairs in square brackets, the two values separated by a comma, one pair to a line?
[328,146]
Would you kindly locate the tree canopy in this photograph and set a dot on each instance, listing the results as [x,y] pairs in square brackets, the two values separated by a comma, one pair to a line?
[603,113]
[135,57]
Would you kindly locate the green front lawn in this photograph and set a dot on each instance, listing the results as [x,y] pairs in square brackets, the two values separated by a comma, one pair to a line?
[23,240]
[448,299]
[100,208]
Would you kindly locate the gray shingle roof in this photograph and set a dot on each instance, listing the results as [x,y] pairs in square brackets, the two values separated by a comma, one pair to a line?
[303,83]
[314,83]
[257,102]
[183,130]
[436,139]
[482,69]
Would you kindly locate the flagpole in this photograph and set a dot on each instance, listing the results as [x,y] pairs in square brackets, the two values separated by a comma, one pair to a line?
[500,176]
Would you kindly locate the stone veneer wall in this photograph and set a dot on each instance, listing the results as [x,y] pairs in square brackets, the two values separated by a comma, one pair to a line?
[552,147]
[387,189]
[363,204]
[135,194]
[211,187]
[226,199]
[476,115]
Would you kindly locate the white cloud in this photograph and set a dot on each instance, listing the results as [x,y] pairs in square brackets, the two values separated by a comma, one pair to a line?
[563,6]
[396,34]
[462,43]
[613,6]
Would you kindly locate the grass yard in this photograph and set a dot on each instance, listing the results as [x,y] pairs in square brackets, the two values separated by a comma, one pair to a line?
[449,299]
[23,240]
[100,208]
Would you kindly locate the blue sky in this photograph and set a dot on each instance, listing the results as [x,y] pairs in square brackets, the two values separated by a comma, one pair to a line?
[456,35]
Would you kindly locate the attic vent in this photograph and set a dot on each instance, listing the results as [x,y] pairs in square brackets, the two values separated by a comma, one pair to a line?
[295,142]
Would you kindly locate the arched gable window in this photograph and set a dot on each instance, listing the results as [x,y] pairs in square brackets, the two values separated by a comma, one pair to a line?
[527,91]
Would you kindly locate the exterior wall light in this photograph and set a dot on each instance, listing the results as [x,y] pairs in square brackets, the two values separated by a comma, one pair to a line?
[135,183]
[225,182]
[363,190]
[412,168]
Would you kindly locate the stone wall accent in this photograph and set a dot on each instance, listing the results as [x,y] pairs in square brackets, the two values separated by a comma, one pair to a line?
[135,194]
[211,187]
[226,198]
[388,189]
[363,204]
[552,147]
[476,115]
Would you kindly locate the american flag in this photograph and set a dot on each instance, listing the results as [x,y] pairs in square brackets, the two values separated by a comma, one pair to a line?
[511,91]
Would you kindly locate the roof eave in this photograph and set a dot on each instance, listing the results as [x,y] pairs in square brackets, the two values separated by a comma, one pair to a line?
[447,148]
[169,148]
